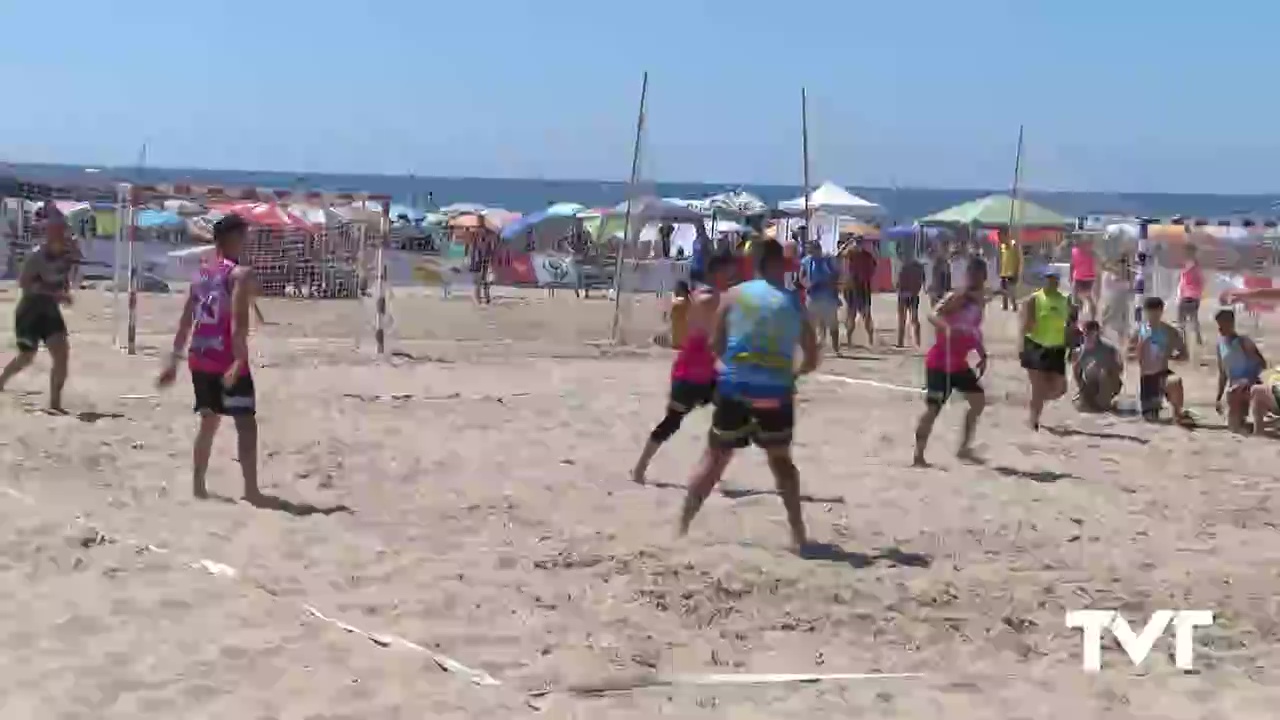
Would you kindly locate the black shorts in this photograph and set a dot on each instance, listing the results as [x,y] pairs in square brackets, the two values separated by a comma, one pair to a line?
[1188,310]
[939,384]
[1007,282]
[858,298]
[1151,390]
[37,319]
[737,423]
[1083,286]
[1037,357]
[211,396]
[688,396]
[909,301]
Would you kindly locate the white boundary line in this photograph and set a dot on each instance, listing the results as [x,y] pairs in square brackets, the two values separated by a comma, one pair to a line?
[872,383]
[217,569]
[617,685]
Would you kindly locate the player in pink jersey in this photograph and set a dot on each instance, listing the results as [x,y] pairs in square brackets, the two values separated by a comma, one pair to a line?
[216,319]
[693,373]
[957,323]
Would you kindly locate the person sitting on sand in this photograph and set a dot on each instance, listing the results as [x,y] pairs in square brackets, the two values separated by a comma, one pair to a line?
[1240,366]
[1156,343]
[1098,371]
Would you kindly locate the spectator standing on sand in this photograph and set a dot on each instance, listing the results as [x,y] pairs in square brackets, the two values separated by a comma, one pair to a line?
[482,246]
[1190,291]
[860,265]
[1010,271]
[1084,275]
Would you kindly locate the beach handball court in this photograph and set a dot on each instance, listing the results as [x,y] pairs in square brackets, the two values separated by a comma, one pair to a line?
[458,537]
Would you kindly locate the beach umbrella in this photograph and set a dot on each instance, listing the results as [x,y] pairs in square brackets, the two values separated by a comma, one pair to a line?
[463,209]
[264,214]
[652,209]
[737,202]
[549,224]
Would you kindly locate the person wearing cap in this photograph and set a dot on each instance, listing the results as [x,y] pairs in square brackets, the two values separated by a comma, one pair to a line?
[1240,366]
[1044,344]
[1098,371]
[46,279]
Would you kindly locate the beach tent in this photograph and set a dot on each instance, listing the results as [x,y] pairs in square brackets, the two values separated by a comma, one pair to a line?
[994,211]
[158,220]
[831,199]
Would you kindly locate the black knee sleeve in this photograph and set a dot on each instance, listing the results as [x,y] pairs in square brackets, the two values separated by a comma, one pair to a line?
[668,427]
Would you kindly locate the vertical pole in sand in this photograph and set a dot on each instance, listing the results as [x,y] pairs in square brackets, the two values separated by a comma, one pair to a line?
[1013,235]
[804,152]
[615,334]
[117,259]
[1140,284]
[379,318]
[131,338]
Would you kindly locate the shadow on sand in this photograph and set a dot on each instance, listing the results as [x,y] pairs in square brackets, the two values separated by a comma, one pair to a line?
[1064,431]
[741,493]
[266,501]
[828,552]
[1040,476]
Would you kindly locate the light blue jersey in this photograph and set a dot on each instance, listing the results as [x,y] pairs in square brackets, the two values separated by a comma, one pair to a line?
[763,329]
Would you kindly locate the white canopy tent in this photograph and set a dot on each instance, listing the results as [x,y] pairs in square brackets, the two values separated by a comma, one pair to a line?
[828,203]
[832,200]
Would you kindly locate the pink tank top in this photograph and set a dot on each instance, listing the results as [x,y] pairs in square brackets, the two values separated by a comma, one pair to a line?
[950,353]
[211,347]
[695,362]
[1082,264]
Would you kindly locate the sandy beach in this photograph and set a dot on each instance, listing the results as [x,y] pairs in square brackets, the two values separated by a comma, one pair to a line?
[467,500]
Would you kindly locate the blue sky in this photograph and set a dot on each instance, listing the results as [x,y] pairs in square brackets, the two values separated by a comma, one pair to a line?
[1122,95]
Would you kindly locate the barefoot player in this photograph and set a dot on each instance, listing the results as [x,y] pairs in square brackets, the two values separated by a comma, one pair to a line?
[216,318]
[957,322]
[693,374]
[757,328]
[46,284]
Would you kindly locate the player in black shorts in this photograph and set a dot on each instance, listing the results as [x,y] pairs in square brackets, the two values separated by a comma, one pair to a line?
[45,280]
[758,326]
[693,374]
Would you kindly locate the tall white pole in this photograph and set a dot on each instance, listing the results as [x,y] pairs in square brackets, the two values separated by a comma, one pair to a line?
[615,331]
[804,151]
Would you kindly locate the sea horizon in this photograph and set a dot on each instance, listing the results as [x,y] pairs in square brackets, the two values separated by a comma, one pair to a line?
[901,203]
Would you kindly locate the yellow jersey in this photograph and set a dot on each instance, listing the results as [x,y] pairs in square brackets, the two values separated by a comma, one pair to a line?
[1010,260]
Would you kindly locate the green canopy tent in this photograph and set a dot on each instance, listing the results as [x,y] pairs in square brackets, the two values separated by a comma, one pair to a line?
[995,211]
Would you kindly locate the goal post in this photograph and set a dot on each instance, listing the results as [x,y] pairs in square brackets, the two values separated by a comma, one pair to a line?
[294,257]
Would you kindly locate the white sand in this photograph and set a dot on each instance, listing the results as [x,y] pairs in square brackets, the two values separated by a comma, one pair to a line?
[494,523]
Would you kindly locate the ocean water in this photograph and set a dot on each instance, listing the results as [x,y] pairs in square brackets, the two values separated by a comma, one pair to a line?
[526,195]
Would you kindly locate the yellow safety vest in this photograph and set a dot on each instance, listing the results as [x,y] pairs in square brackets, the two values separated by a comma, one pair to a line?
[1050,326]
